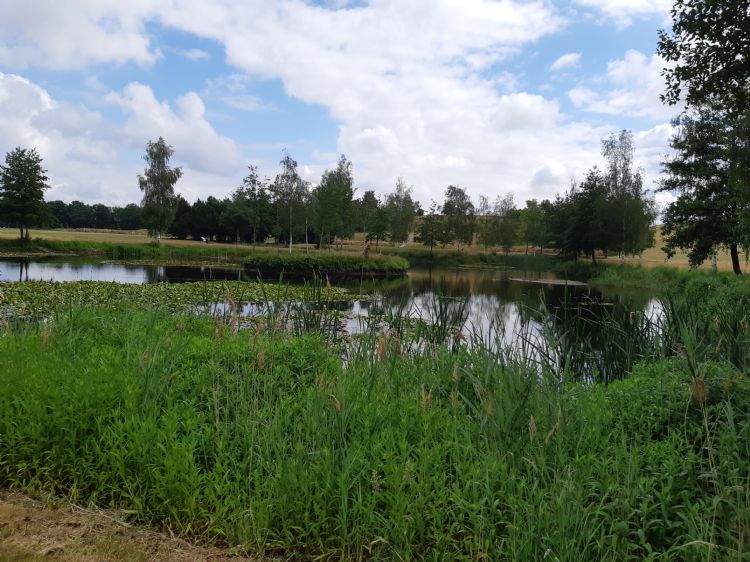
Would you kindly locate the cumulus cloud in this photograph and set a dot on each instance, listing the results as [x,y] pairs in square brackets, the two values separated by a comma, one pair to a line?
[185,127]
[415,87]
[631,86]
[92,159]
[65,35]
[568,60]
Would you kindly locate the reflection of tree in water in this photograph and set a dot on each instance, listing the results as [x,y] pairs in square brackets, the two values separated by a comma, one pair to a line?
[156,274]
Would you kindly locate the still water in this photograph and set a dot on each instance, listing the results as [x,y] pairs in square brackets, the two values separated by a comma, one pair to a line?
[487,303]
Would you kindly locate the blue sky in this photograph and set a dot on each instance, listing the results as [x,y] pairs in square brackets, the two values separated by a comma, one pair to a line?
[497,96]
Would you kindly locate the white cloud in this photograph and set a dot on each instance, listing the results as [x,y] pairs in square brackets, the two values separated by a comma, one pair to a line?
[632,87]
[194,139]
[414,86]
[568,60]
[64,35]
[91,159]
[623,12]
[195,54]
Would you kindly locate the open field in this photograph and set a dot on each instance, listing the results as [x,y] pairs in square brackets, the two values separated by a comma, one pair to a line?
[651,258]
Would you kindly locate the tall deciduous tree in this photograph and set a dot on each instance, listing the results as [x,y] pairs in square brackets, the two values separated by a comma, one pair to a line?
[22,184]
[630,213]
[402,210]
[431,227]
[333,203]
[459,215]
[157,184]
[709,54]
[506,222]
[290,195]
[380,225]
[534,228]
[710,173]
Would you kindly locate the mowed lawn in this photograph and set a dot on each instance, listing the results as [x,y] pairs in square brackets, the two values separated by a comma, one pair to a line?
[651,258]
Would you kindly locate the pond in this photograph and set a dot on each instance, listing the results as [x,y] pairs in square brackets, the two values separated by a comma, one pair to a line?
[478,300]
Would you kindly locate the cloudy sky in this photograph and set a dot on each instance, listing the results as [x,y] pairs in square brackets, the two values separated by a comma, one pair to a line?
[497,96]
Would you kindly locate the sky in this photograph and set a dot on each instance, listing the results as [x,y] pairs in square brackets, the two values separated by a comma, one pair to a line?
[495,96]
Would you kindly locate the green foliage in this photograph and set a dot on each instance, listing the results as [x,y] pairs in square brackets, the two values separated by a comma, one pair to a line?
[703,65]
[401,209]
[459,216]
[433,229]
[157,184]
[290,194]
[268,441]
[36,298]
[332,200]
[710,173]
[22,185]
[326,263]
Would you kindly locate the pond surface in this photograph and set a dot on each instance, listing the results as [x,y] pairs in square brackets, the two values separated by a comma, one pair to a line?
[488,303]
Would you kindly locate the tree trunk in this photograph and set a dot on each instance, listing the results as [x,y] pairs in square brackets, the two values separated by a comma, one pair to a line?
[22,238]
[593,256]
[735,259]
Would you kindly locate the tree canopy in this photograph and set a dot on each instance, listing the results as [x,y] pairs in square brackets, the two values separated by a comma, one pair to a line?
[23,181]
[709,171]
[157,184]
[708,51]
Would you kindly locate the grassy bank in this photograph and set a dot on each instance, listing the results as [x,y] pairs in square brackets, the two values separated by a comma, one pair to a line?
[267,440]
[324,263]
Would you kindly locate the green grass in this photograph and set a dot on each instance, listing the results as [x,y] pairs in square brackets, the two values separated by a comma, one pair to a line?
[267,440]
[327,263]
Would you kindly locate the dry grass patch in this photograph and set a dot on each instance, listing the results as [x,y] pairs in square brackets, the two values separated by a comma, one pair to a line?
[33,531]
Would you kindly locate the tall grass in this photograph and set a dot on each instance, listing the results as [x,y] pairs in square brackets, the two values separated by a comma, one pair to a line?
[266,439]
[324,263]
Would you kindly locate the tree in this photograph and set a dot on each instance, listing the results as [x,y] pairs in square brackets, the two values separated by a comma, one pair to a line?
[379,225]
[708,53]
[710,172]
[534,229]
[402,210]
[181,224]
[157,184]
[367,207]
[431,227]
[484,211]
[22,185]
[459,215]
[129,217]
[506,224]
[333,203]
[290,195]
[630,213]
[254,192]
[587,229]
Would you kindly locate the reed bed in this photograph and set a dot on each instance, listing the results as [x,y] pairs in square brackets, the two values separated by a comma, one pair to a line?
[414,440]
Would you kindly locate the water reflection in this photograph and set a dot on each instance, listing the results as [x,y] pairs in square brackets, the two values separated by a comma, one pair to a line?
[494,307]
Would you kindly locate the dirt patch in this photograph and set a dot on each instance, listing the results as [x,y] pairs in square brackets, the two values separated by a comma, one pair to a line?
[32,531]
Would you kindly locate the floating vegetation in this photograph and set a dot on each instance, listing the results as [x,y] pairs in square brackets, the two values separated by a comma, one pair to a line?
[34,298]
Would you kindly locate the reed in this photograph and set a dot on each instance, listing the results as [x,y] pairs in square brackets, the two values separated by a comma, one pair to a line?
[408,448]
